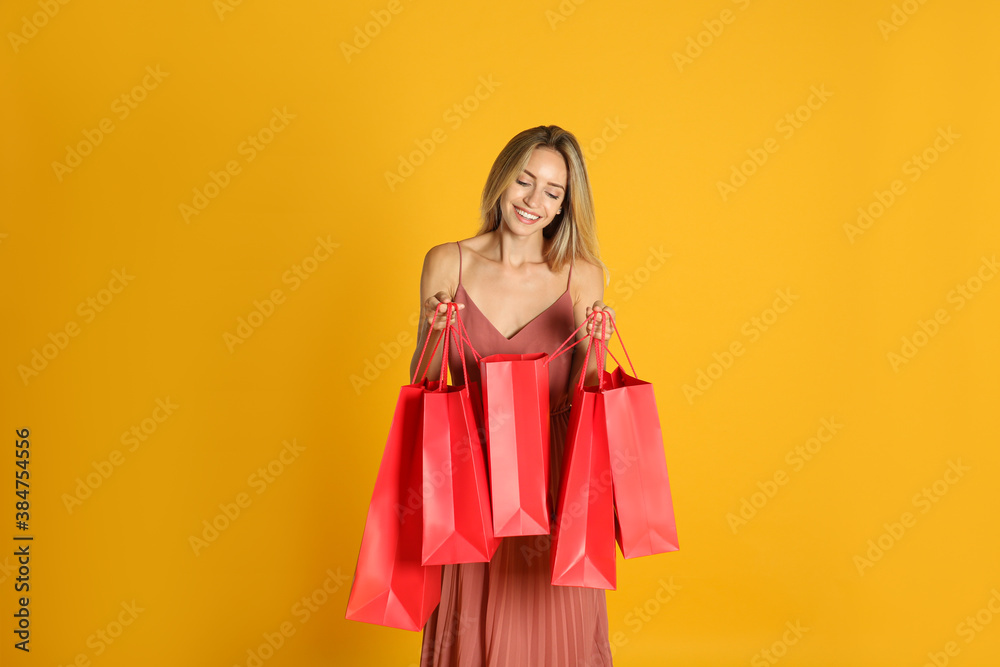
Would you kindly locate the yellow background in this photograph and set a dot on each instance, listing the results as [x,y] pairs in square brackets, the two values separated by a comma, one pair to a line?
[659,139]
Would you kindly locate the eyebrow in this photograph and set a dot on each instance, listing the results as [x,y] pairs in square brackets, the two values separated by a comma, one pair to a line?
[555,185]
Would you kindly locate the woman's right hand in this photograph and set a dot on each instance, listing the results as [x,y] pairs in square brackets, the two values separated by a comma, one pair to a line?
[434,310]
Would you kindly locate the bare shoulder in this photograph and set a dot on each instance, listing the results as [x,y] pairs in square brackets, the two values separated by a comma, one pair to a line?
[587,282]
[441,255]
[440,270]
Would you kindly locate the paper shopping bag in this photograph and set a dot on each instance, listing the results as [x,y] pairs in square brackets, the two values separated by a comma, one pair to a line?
[643,502]
[458,521]
[516,410]
[583,542]
[391,586]
[458,524]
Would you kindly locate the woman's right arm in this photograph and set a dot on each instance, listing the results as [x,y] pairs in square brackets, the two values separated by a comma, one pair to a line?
[437,285]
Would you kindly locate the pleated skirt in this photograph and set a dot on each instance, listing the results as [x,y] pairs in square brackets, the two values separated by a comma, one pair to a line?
[506,613]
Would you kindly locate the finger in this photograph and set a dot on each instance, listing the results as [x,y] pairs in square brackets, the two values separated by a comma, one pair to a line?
[433,310]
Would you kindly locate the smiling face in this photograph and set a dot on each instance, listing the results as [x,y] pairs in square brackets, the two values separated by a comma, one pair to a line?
[531,202]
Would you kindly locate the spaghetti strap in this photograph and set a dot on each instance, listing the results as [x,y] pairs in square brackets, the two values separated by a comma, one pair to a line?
[567,279]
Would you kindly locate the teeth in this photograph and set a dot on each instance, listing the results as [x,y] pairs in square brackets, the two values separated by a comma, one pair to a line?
[527,215]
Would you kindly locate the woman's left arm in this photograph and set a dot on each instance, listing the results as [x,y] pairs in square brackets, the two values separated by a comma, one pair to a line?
[587,289]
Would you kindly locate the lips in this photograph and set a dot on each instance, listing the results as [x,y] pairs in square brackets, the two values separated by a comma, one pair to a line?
[527,221]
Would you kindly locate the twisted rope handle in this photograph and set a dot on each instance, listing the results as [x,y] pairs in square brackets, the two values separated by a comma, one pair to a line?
[427,339]
[563,348]
[599,351]
[622,342]
[602,347]
[464,335]
[617,331]
[450,332]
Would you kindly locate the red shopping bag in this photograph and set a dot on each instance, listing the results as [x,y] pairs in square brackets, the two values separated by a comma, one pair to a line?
[458,521]
[583,542]
[391,586]
[515,391]
[643,503]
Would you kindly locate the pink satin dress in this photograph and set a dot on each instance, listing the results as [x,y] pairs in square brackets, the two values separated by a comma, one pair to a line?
[506,613]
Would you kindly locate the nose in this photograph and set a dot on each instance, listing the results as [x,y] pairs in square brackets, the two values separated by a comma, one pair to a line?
[531,199]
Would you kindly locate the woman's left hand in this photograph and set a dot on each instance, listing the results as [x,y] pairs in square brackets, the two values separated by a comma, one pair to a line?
[594,326]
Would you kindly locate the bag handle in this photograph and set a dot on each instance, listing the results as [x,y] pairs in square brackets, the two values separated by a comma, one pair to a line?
[592,344]
[464,335]
[617,331]
[448,336]
[600,349]
[562,346]
[603,347]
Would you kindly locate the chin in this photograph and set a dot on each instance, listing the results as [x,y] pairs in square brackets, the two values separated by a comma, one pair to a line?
[526,230]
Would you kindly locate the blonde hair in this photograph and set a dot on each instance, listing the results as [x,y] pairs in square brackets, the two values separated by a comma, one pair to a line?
[572,233]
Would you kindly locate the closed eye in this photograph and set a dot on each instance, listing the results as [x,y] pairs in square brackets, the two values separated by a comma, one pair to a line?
[522,183]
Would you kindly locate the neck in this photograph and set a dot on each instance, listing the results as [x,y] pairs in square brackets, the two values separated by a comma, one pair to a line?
[514,250]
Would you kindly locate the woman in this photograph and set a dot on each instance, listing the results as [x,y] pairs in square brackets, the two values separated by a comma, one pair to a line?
[523,284]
